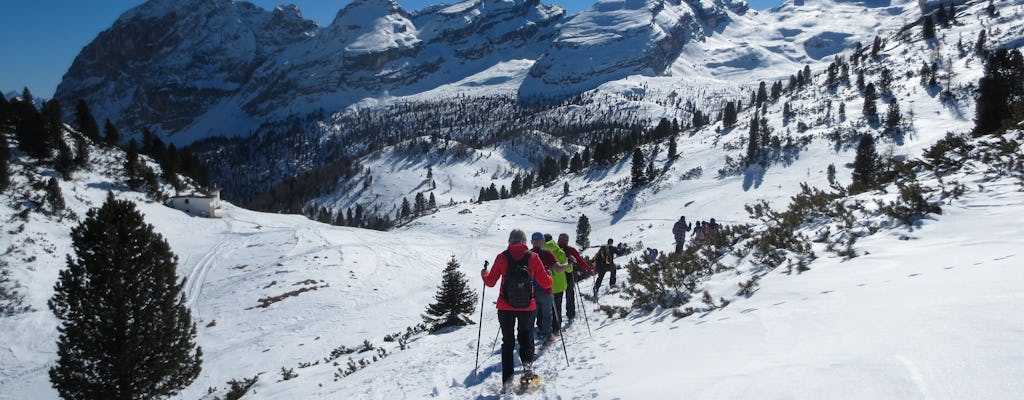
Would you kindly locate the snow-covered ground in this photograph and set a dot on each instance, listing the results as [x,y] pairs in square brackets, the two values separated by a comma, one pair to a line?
[926,311]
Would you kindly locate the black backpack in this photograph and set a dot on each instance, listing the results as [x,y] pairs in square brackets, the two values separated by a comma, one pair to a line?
[517,282]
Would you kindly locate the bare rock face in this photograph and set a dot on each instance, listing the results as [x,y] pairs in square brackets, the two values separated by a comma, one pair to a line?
[165,63]
[618,38]
[197,68]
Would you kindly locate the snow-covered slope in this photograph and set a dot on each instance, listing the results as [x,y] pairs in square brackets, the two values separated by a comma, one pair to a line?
[925,311]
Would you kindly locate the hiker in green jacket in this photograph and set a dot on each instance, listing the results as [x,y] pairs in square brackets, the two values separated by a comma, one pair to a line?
[560,283]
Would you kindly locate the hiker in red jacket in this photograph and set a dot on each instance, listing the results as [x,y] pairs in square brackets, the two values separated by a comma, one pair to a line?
[575,261]
[517,267]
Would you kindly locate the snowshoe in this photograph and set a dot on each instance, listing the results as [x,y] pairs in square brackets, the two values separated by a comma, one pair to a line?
[529,381]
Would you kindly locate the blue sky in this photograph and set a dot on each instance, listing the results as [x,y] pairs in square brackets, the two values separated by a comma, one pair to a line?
[44,36]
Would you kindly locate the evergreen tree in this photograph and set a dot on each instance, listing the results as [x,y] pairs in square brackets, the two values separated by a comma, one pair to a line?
[865,165]
[131,165]
[893,115]
[453,301]
[762,94]
[928,28]
[575,165]
[1002,84]
[171,166]
[5,110]
[126,332]
[111,137]
[876,47]
[52,115]
[30,130]
[5,162]
[583,232]
[651,174]
[65,161]
[753,147]
[586,157]
[81,152]
[85,122]
[516,187]
[776,90]
[672,150]
[27,98]
[54,197]
[870,97]
[990,10]
[885,81]
[432,202]
[565,188]
[860,80]
[406,210]
[419,204]
[639,177]
[729,114]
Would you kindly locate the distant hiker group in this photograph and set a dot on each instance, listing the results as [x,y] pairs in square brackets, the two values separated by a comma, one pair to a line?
[701,229]
[535,283]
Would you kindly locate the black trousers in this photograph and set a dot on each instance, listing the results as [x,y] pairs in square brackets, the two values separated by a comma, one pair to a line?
[601,270]
[680,242]
[509,330]
[570,293]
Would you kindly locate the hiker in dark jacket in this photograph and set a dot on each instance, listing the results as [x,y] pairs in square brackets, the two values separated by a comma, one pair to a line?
[575,261]
[679,231]
[516,256]
[605,262]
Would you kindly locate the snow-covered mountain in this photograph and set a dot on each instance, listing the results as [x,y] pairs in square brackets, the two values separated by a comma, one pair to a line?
[191,70]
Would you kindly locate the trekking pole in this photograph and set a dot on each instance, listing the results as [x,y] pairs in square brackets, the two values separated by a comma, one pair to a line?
[562,336]
[480,329]
[583,306]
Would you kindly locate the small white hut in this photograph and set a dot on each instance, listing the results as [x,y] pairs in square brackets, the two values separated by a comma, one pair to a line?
[203,204]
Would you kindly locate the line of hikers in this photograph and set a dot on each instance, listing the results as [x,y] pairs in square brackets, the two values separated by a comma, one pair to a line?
[700,231]
[535,283]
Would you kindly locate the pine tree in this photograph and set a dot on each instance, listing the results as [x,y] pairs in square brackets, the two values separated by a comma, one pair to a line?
[876,47]
[1002,83]
[565,188]
[454,299]
[54,197]
[762,94]
[776,90]
[111,137]
[131,165]
[419,204]
[5,163]
[729,115]
[52,116]
[865,165]
[672,150]
[885,81]
[30,130]
[639,178]
[65,161]
[583,232]
[928,28]
[753,147]
[126,332]
[651,174]
[870,97]
[575,165]
[893,117]
[860,80]
[991,9]
[432,202]
[406,210]
[81,152]
[85,122]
